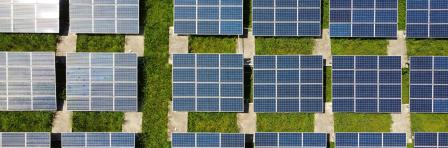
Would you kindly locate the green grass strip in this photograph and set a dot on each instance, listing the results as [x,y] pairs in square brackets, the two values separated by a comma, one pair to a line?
[212,44]
[429,122]
[360,122]
[100,43]
[326,15]
[357,46]
[401,14]
[283,46]
[405,86]
[212,122]
[28,42]
[97,121]
[327,84]
[285,122]
[427,47]
[26,121]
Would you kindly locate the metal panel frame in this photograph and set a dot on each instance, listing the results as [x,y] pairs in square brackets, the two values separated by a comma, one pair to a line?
[382,139]
[196,135]
[427,23]
[301,133]
[26,136]
[438,137]
[85,140]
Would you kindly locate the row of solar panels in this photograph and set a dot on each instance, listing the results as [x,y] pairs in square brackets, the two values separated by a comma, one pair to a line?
[86,16]
[68,140]
[214,83]
[94,81]
[348,18]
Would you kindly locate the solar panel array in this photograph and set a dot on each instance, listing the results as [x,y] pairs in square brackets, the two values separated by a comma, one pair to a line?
[29,16]
[378,140]
[91,140]
[27,81]
[427,19]
[208,17]
[363,18]
[101,82]
[429,84]
[186,140]
[104,16]
[286,17]
[366,84]
[290,140]
[208,82]
[25,139]
[430,140]
[288,84]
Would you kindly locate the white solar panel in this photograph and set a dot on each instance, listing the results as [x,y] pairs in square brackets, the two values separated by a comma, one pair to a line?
[27,81]
[104,16]
[25,140]
[29,16]
[97,140]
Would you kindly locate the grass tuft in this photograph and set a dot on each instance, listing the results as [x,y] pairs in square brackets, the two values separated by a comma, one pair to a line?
[359,122]
[97,121]
[425,47]
[285,122]
[283,46]
[212,122]
[357,46]
[26,121]
[28,42]
[100,43]
[429,122]
[212,44]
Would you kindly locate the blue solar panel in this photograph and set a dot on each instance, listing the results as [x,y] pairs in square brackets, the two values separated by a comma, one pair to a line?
[184,140]
[363,18]
[288,84]
[430,140]
[429,79]
[315,140]
[98,139]
[366,84]
[216,17]
[208,82]
[427,19]
[396,140]
[286,17]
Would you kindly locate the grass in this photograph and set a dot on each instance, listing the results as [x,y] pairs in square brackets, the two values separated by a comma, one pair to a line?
[283,46]
[212,44]
[97,121]
[100,43]
[212,122]
[327,83]
[357,46]
[28,42]
[326,13]
[429,122]
[285,122]
[26,121]
[405,86]
[424,47]
[356,122]
[401,14]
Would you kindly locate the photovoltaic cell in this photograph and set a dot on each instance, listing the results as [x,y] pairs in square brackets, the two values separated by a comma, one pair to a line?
[208,82]
[429,84]
[101,81]
[97,139]
[286,17]
[104,16]
[379,140]
[427,19]
[29,16]
[363,18]
[25,139]
[291,140]
[288,84]
[27,81]
[187,140]
[366,83]
[430,140]
[213,17]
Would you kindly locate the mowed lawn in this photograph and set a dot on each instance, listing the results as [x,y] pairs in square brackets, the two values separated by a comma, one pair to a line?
[26,121]
[100,43]
[429,122]
[327,85]
[357,46]
[97,121]
[360,122]
[28,42]
[427,47]
[285,122]
[212,122]
[283,46]
[212,44]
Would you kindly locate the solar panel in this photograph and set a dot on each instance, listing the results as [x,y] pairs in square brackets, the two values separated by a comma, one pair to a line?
[288,84]
[363,18]
[427,19]
[25,139]
[97,139]
[286,17]
[366,84]
[291,140]
[208,17]
[429,84]
[186,140]
[29,16]
[101,82]
[27,81]
[104,16]
[379,140]
[430,140]
[208,82]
